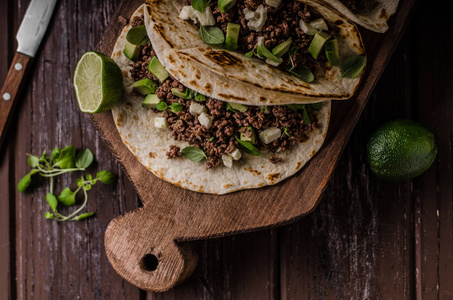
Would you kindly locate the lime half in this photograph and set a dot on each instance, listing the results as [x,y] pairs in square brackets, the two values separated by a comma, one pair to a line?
[98,82]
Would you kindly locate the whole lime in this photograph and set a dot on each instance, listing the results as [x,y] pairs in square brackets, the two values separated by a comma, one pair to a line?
[400,150]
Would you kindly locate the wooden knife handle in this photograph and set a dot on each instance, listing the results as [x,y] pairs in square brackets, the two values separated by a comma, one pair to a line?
[10,90]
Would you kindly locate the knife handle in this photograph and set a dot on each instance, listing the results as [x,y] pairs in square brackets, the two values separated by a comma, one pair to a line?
[10,90]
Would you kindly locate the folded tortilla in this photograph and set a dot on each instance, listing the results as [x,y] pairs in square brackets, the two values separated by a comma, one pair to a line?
[231,76]
[374,15]
[135,125]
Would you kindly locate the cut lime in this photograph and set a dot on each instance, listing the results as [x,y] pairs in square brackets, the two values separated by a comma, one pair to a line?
[98,82]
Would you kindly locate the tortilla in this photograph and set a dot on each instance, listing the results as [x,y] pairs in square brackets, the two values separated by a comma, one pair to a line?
[149,145]
[373,16]
[231,76]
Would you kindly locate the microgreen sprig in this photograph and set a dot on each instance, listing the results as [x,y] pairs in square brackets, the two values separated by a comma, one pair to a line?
[60,162]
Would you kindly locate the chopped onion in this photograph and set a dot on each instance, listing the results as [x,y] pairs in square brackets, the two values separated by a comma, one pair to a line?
[273,3]
[236,154]
[195,109]
[256,19]
[227,161]
[205,120]
[271,134]
[160,123]
[319,24]
[307,28]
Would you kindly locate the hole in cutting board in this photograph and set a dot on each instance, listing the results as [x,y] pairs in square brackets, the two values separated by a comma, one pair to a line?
[149,262]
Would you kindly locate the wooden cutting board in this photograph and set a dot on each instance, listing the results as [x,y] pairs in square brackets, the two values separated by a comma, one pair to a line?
[146,246]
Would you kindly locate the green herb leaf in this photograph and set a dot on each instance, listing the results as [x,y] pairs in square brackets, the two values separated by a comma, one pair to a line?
[80,181]
[291,53]
[106,177]
[285,131]
[44,156]
[87,187]
[251,53]
[48,215]
[84,159]
[296,107]
[211,139]
[161,106]
[228,107]
[248,147]
[137,36]
[306,118]
[24,183]
[175,107]
[66,158]
[353,66]
[83,216]
[200,5]
[316,106]
[303,73]
[193,153]
[55,153]
[33,160]
[211,35]
[53,202]
[200,97]
[67,197]
[263,51]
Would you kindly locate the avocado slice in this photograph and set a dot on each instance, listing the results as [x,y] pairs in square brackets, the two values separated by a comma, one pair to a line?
[131,51]
[144,87]
[333,56]
[232,36]
[317,43]
[238,106]
[150,101]
[177,93]
[225,5]
[157,69]
[245,138]
[282,48]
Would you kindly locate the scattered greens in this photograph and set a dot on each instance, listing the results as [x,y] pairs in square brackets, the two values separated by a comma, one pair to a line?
[211,35]
[229,108]
[352,67]
[285,131]
[291,54]
[174,108]
[137,36]
[303,107]
[248,147]
[193,153]
[60,162]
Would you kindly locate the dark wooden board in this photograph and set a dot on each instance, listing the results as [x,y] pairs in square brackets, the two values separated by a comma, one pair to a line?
[168,209]
[333,253]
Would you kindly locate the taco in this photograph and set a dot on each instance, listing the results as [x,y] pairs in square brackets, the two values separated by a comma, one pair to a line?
[296,52]
[202,143]
[371,14]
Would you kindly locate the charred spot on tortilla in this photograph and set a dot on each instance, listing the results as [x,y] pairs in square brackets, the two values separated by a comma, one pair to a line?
[233,97]
[383,14]
[249,169]
[152,155]
[273,177]
[223,58]
[194,83]
[263,99]
[207,86]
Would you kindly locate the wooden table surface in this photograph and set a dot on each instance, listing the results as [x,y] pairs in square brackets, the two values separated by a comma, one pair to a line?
[367,239]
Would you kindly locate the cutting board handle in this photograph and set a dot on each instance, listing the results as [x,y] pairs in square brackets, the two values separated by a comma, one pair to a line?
[146,257]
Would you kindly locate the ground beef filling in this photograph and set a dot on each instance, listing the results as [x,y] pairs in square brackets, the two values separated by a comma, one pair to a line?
[282,23]
[220,138]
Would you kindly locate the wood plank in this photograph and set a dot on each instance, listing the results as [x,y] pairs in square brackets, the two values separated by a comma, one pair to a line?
[358,243]
[65,260]
[237,267]
[433,190]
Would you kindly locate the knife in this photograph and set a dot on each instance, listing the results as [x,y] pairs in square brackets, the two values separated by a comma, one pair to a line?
[28,37]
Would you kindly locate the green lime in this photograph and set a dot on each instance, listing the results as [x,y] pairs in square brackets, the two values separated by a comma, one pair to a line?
[98,82]
[400,150]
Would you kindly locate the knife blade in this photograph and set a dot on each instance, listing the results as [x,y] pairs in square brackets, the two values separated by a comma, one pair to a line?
[29,37]
[34,25]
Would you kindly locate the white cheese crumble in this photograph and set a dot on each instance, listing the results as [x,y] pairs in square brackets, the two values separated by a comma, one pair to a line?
[271,134]
[206,18]
[205,120]
[236,154]
[319,24]
[256,19]
[273,3]
[160,123]
[195,109]
[227,161]
[307,28]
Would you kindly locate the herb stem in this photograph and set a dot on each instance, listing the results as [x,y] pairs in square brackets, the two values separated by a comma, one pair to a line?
[81,207]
